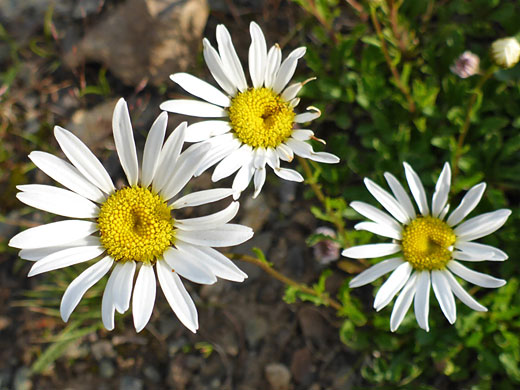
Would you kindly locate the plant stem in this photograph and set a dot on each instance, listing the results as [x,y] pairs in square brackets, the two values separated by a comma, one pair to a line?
[338,221]
[393,69]
[284,279]
[467,121]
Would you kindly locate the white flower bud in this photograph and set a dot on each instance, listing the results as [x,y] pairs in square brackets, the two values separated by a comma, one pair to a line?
[505,52]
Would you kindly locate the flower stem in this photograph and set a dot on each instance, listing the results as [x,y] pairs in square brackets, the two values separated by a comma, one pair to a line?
[266,266]
[467,121]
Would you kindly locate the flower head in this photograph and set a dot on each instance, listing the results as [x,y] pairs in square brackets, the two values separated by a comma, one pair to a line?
[134,226]
[326,250]
[505,52]
[466,65]
[258,122]
[427,246]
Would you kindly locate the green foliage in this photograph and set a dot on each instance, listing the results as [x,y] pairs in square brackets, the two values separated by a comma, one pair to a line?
[374,121]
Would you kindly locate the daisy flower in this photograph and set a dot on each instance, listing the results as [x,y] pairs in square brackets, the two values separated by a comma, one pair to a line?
[132,227]
[427,246]
[257,125]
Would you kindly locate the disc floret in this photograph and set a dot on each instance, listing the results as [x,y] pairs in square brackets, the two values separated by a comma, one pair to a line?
[427,243]
[135,224]
[261,118]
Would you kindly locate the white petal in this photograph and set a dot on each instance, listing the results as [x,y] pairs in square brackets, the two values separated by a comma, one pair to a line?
[442,291]
[302,134]
[485,252]
[288,174]
[226,235]
[285,73]
[274,58]
[376,215]
[460,293]
[193,108]
[257,55]
[144,297]
[392,285]
[482,225]
[232,163]
[298,53]
[201,131]
[211,221]
[152,149]
[381,230]
[468,203]
[259,180]
[201,89]
[168,157]
[291,91]
[52,234]
[57,201]
[444,212]
[39,253]
[442,190]
[324,157]
[403,302]
[422,299]
[83,159]
[122,289]
[221,146]
[177,296]
[415,184]
[387,201]
[375,272]
[124,140]
[400,194]
[65,258]
[184,169]
[243,177]
[259,158]
[107,302]
[475,277]
[215,261]
[202,197]
[81,284]
[187,265]
[272,159]
[308,116]
[371,251]
[293,103]
[66,174]
[216,68]
[231,63]
[287,68]
[284,153]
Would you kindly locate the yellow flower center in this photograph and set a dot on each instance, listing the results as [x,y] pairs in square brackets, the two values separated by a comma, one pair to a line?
[261,118]
[135,224]
[426,243]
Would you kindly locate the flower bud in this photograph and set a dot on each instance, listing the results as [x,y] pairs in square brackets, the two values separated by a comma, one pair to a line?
[505,52]
[326,250]
[466,65]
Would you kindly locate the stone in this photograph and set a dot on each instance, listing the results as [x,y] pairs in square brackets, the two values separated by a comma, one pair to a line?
[144,40]
[278,376]
[103,349]
[301,366]
[106,368]
[95,125]
[256,328]
[22,379]
[151,373]
[131,383]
